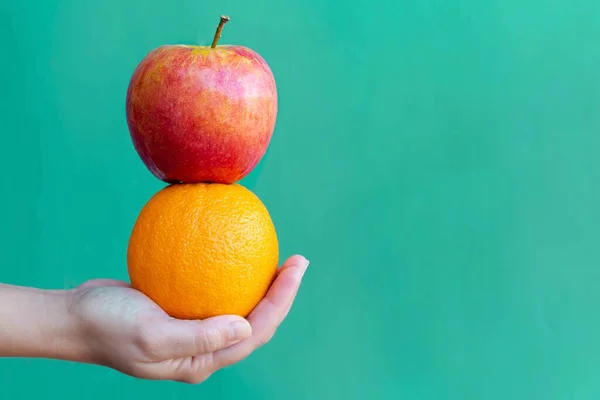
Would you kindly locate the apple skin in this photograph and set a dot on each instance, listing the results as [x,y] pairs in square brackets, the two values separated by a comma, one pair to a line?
[201,114]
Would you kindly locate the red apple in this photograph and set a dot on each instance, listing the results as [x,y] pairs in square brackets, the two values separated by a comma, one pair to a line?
[201,113]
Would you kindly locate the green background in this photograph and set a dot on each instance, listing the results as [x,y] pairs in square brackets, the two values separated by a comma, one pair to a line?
[437,161]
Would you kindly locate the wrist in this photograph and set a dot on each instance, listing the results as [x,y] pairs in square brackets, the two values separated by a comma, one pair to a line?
[65,339]
[40,324]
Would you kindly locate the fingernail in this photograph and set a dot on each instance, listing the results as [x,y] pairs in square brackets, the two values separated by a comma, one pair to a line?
[301,269]
[239,330]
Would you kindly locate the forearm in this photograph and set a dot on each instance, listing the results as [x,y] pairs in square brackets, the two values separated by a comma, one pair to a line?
[37,323]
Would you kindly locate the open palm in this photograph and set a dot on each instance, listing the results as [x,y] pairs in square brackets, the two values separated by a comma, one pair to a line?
[127,331]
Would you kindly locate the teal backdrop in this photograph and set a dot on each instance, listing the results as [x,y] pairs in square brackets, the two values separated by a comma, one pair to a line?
[437,161]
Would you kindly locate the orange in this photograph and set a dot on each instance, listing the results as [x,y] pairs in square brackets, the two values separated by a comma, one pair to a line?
[203,249]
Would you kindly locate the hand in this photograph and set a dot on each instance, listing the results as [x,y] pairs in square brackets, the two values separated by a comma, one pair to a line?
[124,330]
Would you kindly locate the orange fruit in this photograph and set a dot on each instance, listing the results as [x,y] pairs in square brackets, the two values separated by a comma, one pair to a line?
[203,249]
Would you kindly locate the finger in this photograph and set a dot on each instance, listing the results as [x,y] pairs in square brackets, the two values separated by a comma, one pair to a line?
[270,312]
[188,370]
[175,338]
[293,261]
[284,267]
[103,283]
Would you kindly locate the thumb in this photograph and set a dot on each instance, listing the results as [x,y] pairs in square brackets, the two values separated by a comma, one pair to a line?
[188,338]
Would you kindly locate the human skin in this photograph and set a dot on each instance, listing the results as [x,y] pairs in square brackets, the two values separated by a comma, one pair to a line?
[108,323]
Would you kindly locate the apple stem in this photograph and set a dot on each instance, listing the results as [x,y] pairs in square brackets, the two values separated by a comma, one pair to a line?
[224,20]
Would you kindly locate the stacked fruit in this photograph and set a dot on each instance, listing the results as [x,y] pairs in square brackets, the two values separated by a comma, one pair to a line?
[201,118]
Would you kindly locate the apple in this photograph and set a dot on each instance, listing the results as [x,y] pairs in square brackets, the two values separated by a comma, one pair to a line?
[201,113]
